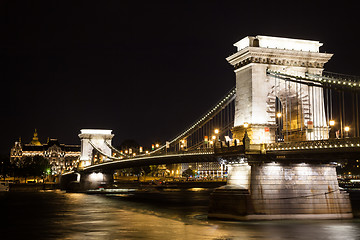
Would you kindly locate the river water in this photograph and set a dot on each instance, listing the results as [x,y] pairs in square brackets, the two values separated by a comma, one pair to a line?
[166,214]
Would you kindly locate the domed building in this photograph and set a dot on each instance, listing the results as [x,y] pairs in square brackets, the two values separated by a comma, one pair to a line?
[61,157]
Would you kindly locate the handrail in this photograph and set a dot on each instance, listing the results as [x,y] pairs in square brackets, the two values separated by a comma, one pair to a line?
[314,144]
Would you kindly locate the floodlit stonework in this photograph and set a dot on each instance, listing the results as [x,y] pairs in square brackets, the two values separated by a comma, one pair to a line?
[267,191]
[260,187]
[257,92]
[61,157]
[94,137]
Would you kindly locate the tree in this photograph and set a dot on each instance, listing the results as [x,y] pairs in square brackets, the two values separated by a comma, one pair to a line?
[4,165]
[35,166]
[137,172]
[188,173]
[154,169]
[145,170]
[40,165]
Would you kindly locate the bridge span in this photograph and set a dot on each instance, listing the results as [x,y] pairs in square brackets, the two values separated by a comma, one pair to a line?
[281,131]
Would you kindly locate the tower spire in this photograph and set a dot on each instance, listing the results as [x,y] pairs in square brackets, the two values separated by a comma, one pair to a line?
[35,139]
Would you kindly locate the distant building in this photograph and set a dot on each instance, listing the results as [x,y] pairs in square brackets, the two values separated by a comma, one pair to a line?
[206,170]
[61,157]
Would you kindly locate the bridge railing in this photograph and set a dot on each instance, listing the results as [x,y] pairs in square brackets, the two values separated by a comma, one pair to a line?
[315,144]
[168,153]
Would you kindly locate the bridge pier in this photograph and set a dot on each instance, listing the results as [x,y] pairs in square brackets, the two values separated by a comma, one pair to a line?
[84,181]
[269,190]
[95,180]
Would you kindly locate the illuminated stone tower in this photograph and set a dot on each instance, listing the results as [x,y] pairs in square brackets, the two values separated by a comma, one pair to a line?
[257,93]
[97,138]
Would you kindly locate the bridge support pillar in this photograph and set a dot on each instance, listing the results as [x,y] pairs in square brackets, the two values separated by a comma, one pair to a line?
[83,181]
[265,191]
[95,180]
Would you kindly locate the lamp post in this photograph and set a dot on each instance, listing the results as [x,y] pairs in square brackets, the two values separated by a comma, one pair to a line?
[246,139]
[347,129]
[278,116]
[332,132]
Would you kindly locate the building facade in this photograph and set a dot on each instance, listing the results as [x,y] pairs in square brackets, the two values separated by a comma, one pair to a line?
[61,157]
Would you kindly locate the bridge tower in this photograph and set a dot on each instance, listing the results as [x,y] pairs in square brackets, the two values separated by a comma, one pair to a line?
[257,93]
[94,137]
[263,187]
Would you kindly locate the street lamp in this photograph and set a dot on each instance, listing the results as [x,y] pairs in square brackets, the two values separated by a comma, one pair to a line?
[216,131]
[332,132]
[347,129]
[278,115]
[246,139]
[332,123]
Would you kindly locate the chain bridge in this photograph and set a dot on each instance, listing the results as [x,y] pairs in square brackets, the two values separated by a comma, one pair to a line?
[280,131]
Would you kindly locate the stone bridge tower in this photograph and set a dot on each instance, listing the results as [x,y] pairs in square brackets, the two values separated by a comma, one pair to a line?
[258,93]
[97,137]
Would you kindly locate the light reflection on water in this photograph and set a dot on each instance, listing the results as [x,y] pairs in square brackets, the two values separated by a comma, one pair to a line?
[161,215]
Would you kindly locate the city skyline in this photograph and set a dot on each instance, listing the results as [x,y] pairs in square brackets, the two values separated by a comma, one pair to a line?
[145,71]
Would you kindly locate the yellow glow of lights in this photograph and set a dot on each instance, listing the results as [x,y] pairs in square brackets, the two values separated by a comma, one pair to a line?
[213,137]
[216,131]
[347,129]
[279,115]
[157,145]
[332,122]
[246,125]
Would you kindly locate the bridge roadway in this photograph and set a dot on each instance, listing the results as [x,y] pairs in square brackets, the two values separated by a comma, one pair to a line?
[317,151]
[330,150]
[203,155]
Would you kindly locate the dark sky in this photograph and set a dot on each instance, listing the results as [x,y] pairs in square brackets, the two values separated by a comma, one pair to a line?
[145,69]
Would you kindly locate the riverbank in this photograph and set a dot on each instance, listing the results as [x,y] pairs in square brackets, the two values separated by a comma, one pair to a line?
[32,187]
[171,184]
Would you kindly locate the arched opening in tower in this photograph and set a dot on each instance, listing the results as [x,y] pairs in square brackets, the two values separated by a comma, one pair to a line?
[290,118]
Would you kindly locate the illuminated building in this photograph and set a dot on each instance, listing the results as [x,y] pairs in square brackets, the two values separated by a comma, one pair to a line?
[60,156]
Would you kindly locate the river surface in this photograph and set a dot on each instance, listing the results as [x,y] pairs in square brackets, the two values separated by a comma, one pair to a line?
[167,214]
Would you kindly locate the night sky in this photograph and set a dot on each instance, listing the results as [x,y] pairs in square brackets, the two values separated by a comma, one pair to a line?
[145,69]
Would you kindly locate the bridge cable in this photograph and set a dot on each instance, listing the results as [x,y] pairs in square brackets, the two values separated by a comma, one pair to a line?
[102,153]
[114,149]
[207,117]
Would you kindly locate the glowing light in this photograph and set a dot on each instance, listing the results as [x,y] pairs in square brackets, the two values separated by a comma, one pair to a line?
[216,131]
[279,115]
[332,122]
[246,125]
[96,177]
[95,131]
[280,43]
[347,129]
